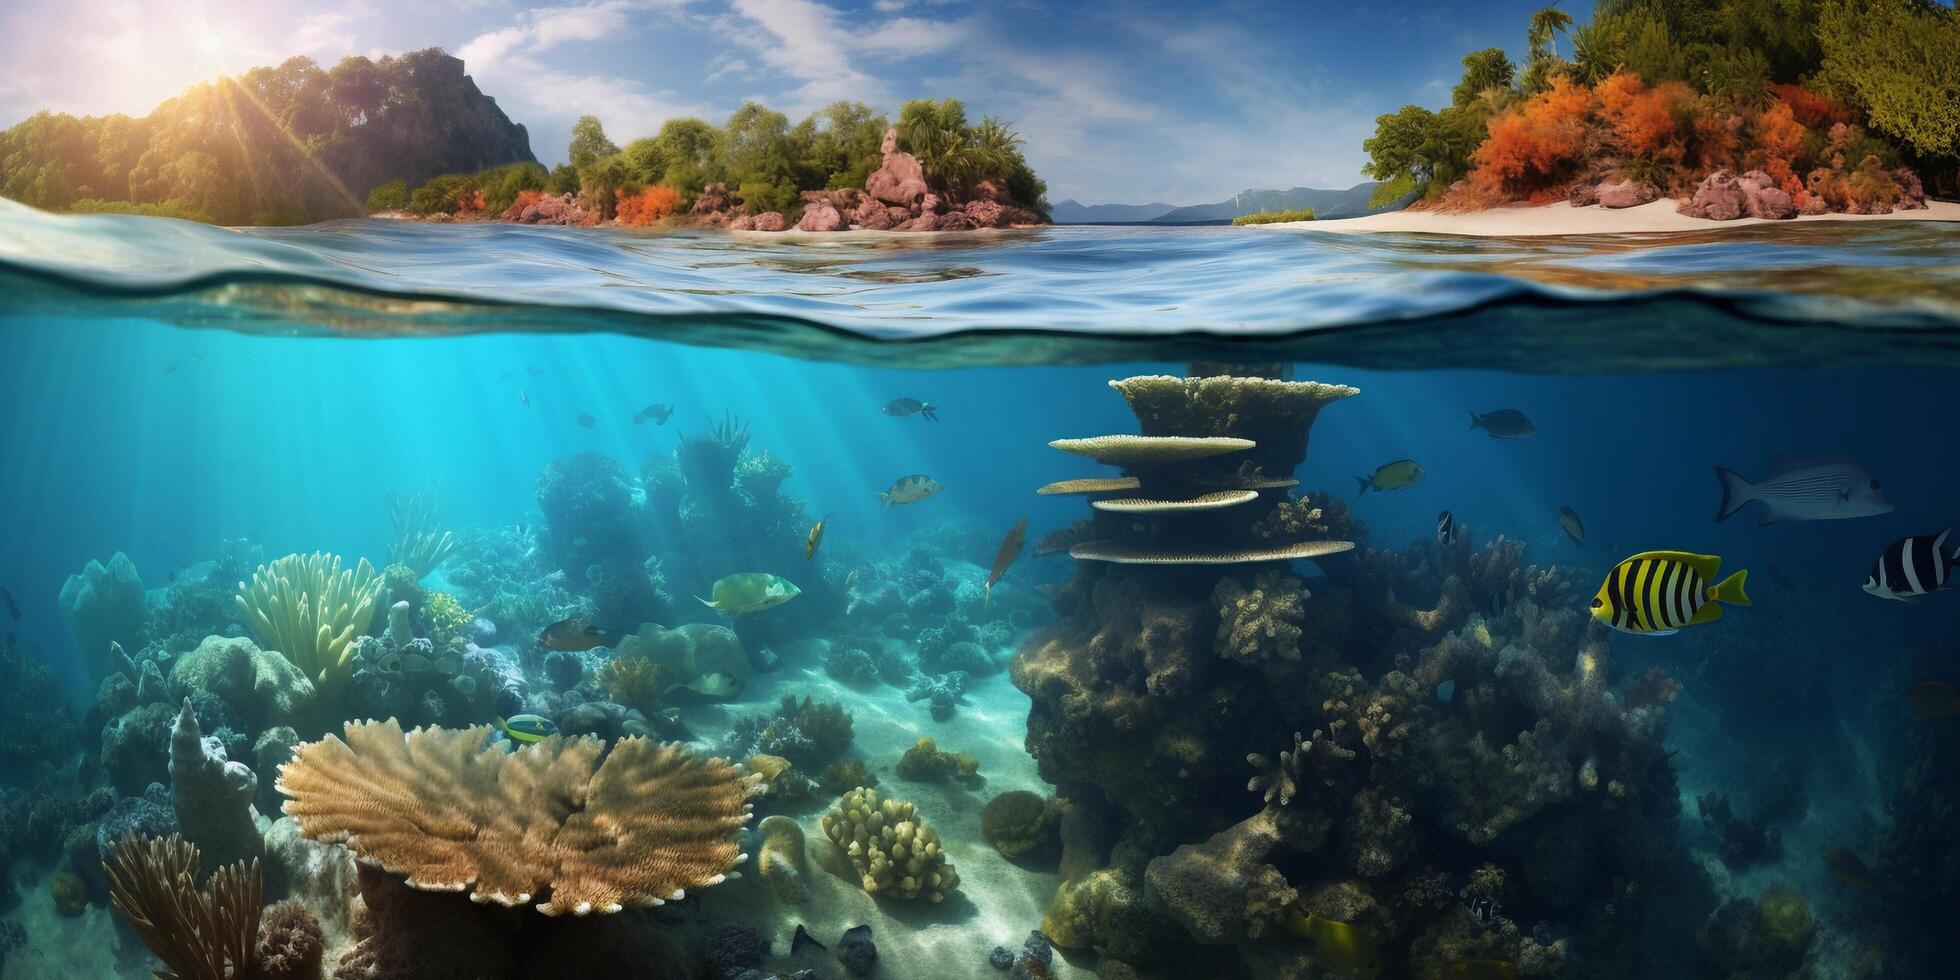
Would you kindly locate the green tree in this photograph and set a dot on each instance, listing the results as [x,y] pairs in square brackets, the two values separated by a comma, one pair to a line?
[1542,61]
[391,196]
[689,146]
[760,158]
[936,133]
[589,143]
[1418,151]
[601,181]
[1899,60]
[844,142]
[645,158]
[1482,71]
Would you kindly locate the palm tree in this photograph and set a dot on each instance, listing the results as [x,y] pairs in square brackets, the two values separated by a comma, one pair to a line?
[1545,25]
[1597,48]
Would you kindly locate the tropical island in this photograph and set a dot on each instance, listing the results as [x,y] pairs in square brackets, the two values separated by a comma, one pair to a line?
[412,136]
[1670,109]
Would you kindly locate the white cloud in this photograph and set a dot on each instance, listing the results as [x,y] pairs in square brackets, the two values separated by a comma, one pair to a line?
[545,28]
[807,42]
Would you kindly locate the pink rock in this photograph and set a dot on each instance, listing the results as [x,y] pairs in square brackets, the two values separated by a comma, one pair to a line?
[877,217]
[820,215]
[554,210]
[1718,198]
[1625,194]
[1912,194]
[987,190]
[745,222]
[924,222]
[954,221]
[933,203]
[899,179]
[770,221]
[985,213]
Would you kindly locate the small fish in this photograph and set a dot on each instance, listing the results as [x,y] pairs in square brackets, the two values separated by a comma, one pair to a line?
[12,610]
[1655,593]
[901,407]
[1568,521]
[575,634]
[1484,970]
[506,376]
[1399,475]
[1913,567]
[524,397]
[1010,549]
[1805,489]
[1446,691]
[1848,868]
[526,729]
[1446,529]
[587,420]
[170,368]
[816,538]
[909,489]
[1338,945]
[850,578]
[1505,423]
[749,592]
[1932,699]
[658,413]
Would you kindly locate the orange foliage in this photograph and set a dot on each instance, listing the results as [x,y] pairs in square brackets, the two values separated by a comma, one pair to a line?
[470,204]
[1532,146]
[524,200]
[1643,120]
[647,206]
[1779,141]
[1812,110]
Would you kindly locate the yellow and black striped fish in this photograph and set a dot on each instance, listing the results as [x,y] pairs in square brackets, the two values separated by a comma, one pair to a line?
[1658,592]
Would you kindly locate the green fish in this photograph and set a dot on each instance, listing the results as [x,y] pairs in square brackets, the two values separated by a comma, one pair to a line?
[526,729]
[1338,945]
[750,592]
[1399,475]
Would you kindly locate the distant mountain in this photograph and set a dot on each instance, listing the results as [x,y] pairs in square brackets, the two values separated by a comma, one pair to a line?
[1070,212]
[1345,203]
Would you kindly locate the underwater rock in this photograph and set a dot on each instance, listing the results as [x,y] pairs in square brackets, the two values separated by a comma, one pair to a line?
[272,749]
[851,663]
[136,747]
[148,814]
[416,935]
[1756,940]
[212,796]
[895,852]
[925,763]
[608,721]
[734,947]
[1001,958]
[945,691]
[324,876]
[69,893]
[802,940]
[103,604]
[1741,842]
[1224,890]
[1021,824]
[564,670]
[856,951]
[779,859]
[263,685]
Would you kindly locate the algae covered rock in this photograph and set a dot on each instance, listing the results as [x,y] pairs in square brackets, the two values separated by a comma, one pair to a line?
[263,685]
[924,762]
[1021,824]
[895,853]
[708,659]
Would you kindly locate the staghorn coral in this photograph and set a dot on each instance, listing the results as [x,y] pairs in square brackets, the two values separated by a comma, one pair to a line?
[925,763]
[309,609]
[1263,622]
[208,935]
[639,828]
[895,853]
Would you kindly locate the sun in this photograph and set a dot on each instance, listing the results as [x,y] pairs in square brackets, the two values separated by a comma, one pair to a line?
[210,45]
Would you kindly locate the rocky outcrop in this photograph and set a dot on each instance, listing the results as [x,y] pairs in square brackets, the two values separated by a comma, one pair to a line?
[563,209]
[1723,196]
[1614,194]
[899,179]
[819,214]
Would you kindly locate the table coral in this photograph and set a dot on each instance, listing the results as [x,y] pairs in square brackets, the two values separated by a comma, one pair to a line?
[895,852]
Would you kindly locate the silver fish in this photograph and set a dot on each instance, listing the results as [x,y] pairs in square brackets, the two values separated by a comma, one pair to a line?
[1805,489]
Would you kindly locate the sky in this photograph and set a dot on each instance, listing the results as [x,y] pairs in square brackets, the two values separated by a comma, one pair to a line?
[1119,102]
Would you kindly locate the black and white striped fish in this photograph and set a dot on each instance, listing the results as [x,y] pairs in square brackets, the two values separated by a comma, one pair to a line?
[1912,567]
[1446,529]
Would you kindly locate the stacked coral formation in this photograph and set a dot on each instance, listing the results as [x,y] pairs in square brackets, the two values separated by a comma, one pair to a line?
[895,852]
[1165,676]
[546,821]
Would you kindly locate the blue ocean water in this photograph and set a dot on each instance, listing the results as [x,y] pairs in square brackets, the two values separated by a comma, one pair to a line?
[169,386]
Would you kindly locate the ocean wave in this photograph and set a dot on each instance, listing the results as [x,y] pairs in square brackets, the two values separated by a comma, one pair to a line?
[1819,294]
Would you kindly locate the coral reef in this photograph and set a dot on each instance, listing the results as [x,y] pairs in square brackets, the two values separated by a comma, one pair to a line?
[207,935]
[290,944]
[263,686]
[37,733]
[1185,650]
[894,852]
[1748,939]
[697,653]
[549,820]
[103,604]
[943,691]
[1021,824]
[309,609]
[841,777]
[212,796]
[806,732]
[924,762]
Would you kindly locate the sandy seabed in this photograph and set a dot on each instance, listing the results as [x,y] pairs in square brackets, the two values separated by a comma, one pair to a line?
[1564,219]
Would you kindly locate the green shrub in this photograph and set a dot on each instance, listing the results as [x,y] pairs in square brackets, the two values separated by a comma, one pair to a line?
[391,196]
[168,209]
[1274,217]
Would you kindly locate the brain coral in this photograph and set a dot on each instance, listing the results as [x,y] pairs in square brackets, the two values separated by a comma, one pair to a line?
[437,805]
[895,853]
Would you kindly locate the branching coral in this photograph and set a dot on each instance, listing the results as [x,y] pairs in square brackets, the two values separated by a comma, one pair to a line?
[1263,622]
[436,805]
[896,853]
[417,543]
[309,609]
[208,935]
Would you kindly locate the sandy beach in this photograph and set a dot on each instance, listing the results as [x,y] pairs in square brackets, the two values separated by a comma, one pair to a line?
[1564,219]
